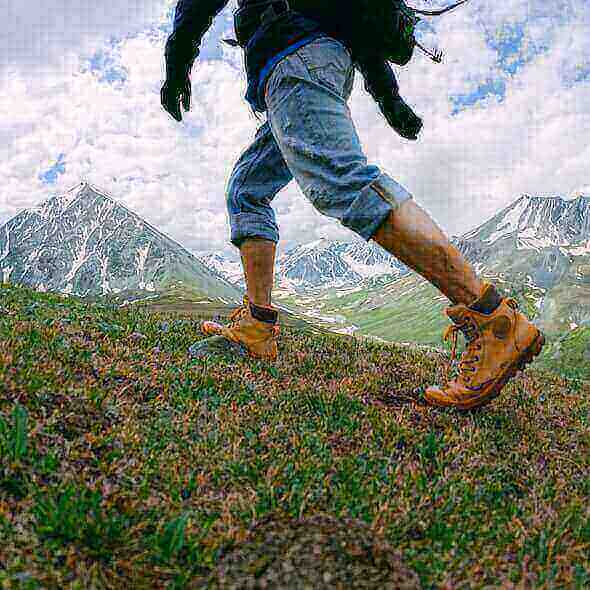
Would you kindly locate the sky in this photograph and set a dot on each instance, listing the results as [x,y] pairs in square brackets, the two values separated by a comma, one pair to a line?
[507,113]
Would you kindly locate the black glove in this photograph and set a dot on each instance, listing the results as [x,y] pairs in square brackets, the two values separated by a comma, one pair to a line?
[172,93]
[401,117]
[180,55]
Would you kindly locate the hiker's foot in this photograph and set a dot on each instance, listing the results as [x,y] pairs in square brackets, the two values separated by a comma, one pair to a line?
[499,344]
[256,336]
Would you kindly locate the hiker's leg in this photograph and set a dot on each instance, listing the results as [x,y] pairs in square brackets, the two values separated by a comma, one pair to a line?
[311,122]
[306,97]
[259,174]
[258,262]
[413,237]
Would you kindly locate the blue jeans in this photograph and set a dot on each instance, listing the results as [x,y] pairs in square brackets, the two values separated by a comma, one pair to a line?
[309,135]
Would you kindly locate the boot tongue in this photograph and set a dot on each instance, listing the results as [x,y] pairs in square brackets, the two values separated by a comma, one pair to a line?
[488,301]
[264,314]
[457,315]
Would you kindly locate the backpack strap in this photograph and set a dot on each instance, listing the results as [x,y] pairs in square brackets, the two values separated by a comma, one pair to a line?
[250,16]
[270,14]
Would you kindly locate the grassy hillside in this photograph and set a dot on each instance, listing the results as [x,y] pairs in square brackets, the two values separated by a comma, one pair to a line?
[409,309]
[125,463]
[568,354]
[404,310]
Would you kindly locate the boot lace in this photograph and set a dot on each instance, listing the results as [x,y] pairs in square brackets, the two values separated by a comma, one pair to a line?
[237,314]
[471,332]
[472,335]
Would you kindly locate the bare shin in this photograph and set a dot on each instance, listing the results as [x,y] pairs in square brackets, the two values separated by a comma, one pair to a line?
[411,235]
[258,259]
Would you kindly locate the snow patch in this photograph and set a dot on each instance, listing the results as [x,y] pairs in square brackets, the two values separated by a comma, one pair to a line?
[6,273]
[369,270]
[510,221]
[140,259]
[533,243]
[104,261]
[6,249]
[575,251]
[322,242]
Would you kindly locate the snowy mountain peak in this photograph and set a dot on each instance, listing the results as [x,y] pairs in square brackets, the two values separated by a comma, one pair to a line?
[316,246]
[543,240]
[319,264]
[85,243]
[537,222]
[578,193]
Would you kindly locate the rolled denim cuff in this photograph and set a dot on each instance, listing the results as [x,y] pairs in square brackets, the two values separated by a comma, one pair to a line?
[252,225]
[373,205]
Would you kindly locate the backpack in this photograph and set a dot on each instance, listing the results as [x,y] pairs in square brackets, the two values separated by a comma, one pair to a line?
[382,29]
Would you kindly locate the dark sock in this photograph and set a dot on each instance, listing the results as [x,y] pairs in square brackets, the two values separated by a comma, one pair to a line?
[263,314]
[488,303]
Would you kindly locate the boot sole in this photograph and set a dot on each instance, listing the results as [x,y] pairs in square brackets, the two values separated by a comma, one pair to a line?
[528,356]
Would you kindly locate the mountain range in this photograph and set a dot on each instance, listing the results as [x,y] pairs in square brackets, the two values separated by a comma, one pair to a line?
[85,243]
[537,246]
[550,234]
[320,264]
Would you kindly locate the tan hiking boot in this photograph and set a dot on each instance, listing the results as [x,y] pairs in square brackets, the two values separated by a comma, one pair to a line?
[499,344]
[258,337]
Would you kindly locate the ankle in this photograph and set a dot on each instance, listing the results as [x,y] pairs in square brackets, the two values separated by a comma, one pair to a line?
[259,300]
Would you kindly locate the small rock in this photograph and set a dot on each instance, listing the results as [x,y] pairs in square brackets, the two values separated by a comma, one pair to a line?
[23,576]
[165,326]
[215,345]
[136,336]
[198,351]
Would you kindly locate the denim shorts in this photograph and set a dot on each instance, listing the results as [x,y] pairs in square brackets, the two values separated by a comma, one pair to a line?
[309,135]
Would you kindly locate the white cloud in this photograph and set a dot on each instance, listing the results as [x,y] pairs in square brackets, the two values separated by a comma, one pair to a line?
[462,169]
[40,36]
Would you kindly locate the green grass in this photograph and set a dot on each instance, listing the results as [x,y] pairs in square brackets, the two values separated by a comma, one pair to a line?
[569,354]
[125,463]
[389,315]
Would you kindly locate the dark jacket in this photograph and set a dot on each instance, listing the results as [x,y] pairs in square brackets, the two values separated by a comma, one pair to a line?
[194,17]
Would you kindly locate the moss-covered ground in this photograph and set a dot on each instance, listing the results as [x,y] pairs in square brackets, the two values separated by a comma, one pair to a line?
[127,463]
